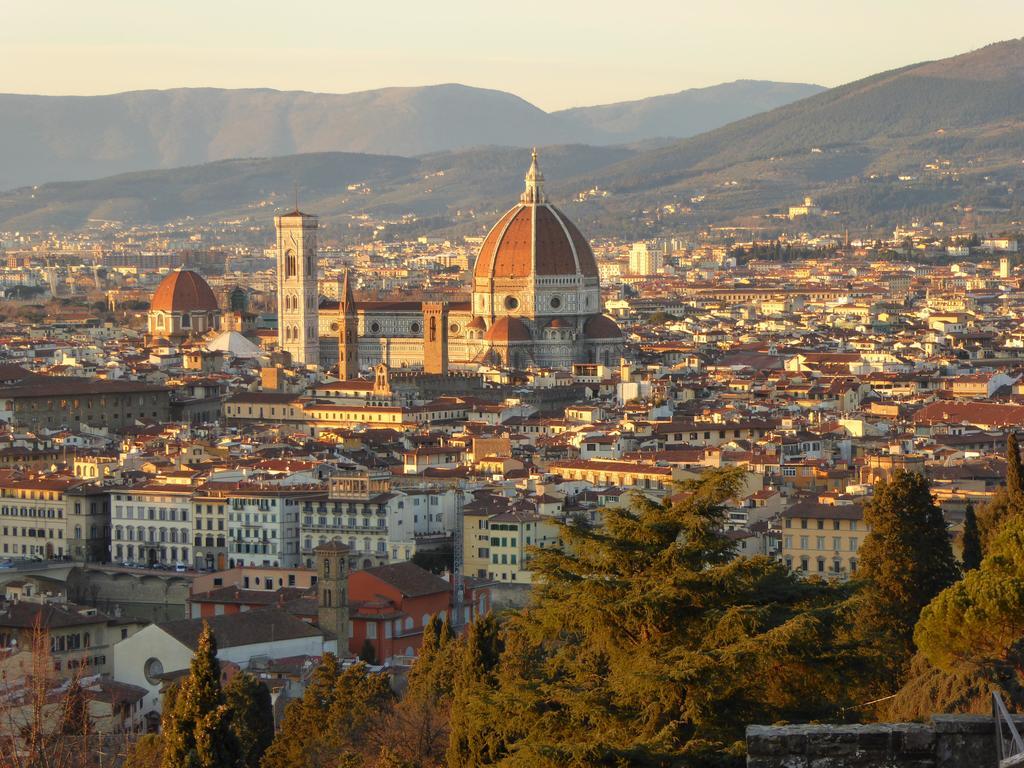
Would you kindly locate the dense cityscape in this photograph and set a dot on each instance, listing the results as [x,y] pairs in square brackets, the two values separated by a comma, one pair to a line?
[718,483]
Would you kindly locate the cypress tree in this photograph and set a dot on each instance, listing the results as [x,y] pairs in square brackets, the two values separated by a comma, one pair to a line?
[905,561]
[197,732]
[252,718]
[331,725]
[971,554]
[1014,475]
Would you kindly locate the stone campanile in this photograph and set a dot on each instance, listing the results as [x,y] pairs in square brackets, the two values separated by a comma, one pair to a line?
[435,337]
[332,591]
[298,330]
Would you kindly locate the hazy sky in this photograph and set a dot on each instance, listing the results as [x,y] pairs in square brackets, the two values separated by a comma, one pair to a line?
[558,53]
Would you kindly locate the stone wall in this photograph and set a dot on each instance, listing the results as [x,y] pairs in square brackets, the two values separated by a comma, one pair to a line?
[948,741]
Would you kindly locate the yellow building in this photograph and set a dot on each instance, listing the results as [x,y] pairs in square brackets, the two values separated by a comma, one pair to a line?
[822,538]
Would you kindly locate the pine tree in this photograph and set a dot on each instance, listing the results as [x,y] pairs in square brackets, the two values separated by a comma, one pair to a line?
[971,554]
[975,626]
[252,717]
[905,561]
[649,643]
[197,732]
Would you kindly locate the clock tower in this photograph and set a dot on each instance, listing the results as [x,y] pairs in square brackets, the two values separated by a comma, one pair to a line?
[298,329]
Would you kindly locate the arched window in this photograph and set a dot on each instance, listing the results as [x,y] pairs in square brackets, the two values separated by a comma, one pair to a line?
[426,619]
[289,263]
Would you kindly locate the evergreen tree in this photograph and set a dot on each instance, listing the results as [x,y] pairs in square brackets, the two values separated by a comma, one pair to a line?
[648,643]
[471,742]
[971,554]
[252,718]
[146,752]
[417,729]
[1007,501]
[975,627]
[75,720]
[334,724]
[368,652]
[1014,475]
[197,728]
[904,562]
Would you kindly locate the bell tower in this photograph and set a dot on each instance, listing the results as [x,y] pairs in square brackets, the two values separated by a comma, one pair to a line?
[298,329]
[348,333]
[332,591]
[435,337]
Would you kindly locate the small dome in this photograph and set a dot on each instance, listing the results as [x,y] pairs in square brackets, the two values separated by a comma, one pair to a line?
[558,323]
[601,327]
[234,343]
[508,329]
[183,291]
[477,324]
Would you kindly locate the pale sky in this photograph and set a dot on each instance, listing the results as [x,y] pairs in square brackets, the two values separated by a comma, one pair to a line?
[556,54]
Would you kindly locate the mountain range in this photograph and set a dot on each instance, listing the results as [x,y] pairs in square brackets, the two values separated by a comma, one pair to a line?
[940,140]
[66,138]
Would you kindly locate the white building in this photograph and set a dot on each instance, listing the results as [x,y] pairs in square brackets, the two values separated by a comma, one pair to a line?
[646,259]
[416,514]
[151,523]
[152,655]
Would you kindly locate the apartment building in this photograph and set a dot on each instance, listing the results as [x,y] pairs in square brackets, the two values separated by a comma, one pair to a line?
[152,523]
[54,517]
[264,523]
[354,510]
[210,533]
[823,536]
[497,546]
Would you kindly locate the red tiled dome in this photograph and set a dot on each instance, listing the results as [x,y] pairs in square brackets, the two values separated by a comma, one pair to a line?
[601,327]
[183,291]
[558,323]
[534,238]
[507,329]
[477,324]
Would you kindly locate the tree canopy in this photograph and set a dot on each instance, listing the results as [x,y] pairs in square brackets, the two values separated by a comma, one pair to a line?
[904,562]
[647,643]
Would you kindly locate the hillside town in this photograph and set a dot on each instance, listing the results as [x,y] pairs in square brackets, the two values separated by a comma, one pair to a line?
[318,448]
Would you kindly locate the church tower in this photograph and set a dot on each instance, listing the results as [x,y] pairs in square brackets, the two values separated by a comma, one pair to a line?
[297,295]
[435,337]
[332,591]
[348,334]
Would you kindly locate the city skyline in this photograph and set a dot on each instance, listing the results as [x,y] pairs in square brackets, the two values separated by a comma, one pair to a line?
[610,57]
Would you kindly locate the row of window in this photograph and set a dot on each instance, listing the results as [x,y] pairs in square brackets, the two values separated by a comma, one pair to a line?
[152,513]
[820,524]
[151,554]
[853,543]
[836,565]
[161,535]
[32,512]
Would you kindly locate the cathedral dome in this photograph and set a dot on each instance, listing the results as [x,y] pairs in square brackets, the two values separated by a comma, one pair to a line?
[183,291]
[507,329]
[534,238]
[601,327]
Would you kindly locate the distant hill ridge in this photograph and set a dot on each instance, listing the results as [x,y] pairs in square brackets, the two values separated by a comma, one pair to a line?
[61,138]
[940,140]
